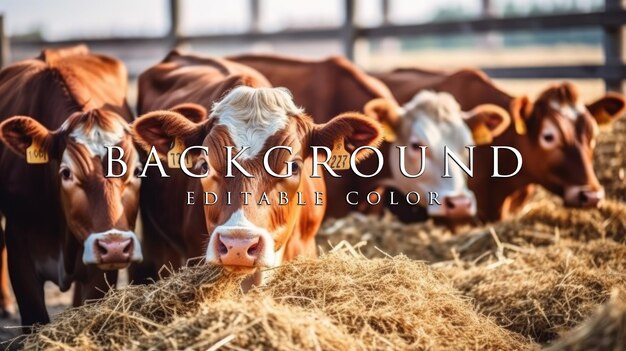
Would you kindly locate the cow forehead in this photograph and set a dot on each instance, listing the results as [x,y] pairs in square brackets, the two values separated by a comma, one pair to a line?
[253,115]
[95,138]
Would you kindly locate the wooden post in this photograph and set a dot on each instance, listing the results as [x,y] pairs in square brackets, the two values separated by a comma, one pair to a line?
[349,30]
[255,16]
[4,45]
[174,32]
[612,45]
[385,7]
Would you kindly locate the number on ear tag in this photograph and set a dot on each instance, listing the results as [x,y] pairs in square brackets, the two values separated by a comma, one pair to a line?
[173,156]
[339,158]
[35,154]
[388,134]
[482,135]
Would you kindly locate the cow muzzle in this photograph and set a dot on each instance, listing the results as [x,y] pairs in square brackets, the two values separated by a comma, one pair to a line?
[241,249]
[583,196]
[111,250]
[454,207]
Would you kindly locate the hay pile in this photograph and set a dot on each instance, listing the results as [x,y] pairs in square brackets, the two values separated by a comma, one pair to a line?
[609,160]
[543,223]
[605,331]
[338,302]
[543,292]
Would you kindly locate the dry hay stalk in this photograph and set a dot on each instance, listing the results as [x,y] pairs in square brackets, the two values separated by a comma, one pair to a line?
[337,302]
[542,224]
[543,292]
[604,331]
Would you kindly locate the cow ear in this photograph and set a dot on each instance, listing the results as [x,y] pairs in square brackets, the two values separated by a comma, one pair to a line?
[487,122]
[521,109]
[163,129]
[353,130]
[24,134]
[608,108]
[194,112]
[387,113]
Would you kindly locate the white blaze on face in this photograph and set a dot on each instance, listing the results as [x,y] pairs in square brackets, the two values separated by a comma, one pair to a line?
[95,139]
[238,226]
[434,120]
[570,111]
[252,115]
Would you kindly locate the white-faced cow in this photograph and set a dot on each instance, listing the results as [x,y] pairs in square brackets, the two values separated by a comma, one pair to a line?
[235,226]
[65,221]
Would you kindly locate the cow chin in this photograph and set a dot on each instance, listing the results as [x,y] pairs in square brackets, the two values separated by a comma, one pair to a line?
[112,250]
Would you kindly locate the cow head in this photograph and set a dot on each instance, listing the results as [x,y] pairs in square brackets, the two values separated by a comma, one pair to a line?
[558,134]
[99,211]
[435,120]
[248,234]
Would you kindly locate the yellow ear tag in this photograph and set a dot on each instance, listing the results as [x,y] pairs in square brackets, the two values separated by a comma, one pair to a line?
[173,156]
[339,158]
[388,134]
[482,135]
[35,154]
[520,125]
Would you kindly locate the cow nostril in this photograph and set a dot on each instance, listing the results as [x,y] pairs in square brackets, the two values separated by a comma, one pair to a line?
[221,248]
[252,250]
[127,247]
[102,249]
[582,197]
[449,203]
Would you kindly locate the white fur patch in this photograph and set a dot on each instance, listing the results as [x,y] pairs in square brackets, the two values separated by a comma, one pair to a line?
[239,223]
[96,139]
[569,111]
[252,115]
[434,120]
[89,256]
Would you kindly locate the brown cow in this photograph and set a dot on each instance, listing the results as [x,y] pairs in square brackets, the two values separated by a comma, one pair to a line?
[244,233]
[65,221]
[554,134]
[334,85]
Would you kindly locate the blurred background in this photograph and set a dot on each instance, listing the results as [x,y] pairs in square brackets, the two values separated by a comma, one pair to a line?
[524,44]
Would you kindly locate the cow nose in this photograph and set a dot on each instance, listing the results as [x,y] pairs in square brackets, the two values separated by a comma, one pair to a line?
[588,198]
[458,206]
[114,251]
[239,251]
[583,196]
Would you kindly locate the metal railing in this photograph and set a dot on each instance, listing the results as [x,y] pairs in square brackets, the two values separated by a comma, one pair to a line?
[611,20]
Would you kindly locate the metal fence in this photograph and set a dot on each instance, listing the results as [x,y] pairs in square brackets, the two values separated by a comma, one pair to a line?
[611,20]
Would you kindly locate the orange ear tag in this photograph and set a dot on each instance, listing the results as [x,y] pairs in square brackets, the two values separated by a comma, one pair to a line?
[35,154]
[388,134]
[482,135]
[339,158]
[173,156]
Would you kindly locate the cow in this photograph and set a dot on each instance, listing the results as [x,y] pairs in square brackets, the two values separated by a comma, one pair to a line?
[65,221]
[243,236]
[422,131]
[555,135]
[333,85]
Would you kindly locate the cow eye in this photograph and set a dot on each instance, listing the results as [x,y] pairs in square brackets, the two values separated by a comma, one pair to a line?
[295,168]
[138,171]
[66,173]
[204,166]
[415,146]
[548,138]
